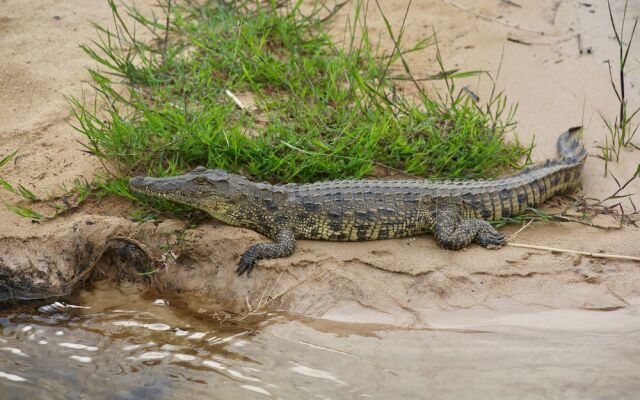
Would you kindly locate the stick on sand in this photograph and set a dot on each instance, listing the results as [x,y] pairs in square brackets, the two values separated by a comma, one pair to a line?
[585,253]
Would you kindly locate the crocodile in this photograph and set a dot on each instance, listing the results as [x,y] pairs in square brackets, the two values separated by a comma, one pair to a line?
[455,211]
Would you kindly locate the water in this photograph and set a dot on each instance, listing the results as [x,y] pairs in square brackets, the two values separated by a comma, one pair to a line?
[131,344]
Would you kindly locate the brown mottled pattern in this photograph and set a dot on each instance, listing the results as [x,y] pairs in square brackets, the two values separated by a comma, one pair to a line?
[354,210]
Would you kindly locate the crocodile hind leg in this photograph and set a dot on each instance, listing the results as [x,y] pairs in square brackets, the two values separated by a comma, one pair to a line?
[454,232]
[283,246]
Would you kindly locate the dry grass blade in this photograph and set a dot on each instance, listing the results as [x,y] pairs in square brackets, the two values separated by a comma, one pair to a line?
[525,225]
[270,291]
[262,305]
[235,99]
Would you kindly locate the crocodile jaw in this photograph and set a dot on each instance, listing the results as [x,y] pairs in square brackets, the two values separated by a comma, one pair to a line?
[177,188]
[212,196]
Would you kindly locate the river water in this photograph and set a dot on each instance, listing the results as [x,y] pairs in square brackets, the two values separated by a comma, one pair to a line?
[129,343]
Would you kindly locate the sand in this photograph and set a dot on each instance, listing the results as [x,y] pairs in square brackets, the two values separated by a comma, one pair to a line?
[396,281]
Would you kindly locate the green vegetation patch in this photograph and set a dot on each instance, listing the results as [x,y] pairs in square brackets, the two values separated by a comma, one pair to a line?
[322,110]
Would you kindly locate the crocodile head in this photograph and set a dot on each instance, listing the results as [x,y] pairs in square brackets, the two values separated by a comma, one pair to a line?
[211,190]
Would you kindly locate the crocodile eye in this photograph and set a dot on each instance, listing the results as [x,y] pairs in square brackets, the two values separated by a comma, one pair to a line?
[200,180]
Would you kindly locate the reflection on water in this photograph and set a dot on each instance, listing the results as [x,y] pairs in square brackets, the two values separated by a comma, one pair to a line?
[125,344]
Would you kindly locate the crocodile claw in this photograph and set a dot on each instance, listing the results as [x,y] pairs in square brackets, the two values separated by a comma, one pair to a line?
[246,265]
[490,239]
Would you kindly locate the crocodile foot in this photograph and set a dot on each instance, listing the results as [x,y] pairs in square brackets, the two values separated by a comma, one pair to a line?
[453,232]
[488,236]
[246,264]
[283,246]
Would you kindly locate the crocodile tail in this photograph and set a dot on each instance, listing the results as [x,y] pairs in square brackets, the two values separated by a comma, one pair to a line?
[571,149]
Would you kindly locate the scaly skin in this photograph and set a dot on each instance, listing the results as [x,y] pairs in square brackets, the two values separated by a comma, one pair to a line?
[354,210]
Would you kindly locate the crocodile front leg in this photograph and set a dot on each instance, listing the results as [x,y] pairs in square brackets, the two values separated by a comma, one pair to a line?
[454,232]
[283,246]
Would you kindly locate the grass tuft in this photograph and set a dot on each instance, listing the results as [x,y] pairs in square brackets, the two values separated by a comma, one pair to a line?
[321,110]
[622,130]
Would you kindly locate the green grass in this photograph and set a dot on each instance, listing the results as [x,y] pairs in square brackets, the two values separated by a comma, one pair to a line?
[622,130]
[323,110]
[529,213]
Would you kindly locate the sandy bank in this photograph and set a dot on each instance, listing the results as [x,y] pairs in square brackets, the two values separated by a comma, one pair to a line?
[397,281]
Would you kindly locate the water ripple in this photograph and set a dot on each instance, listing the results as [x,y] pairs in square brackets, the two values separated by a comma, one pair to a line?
[12,377]
[15,351]
[255,389]
[77,346]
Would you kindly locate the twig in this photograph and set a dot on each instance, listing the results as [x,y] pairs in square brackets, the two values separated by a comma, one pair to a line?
[555,8]
[335,10]
[580,49]
[584,253]
[514,40]
[511,3]
[615,195]
[568,218]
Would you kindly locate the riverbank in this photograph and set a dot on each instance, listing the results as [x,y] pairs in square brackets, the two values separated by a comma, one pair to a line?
[397,281]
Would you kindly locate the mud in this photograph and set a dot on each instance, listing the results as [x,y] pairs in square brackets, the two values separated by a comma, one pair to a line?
[401,282]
